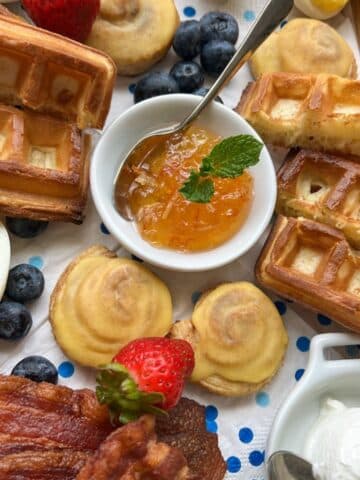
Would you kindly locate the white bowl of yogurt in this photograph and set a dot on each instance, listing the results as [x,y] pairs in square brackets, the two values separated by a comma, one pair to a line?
[320,420]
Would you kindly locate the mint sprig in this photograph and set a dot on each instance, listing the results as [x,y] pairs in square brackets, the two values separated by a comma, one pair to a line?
[197,189]
[228,159]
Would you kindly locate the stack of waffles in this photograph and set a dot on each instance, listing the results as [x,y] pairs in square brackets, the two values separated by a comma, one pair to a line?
[312,254]
[51,89]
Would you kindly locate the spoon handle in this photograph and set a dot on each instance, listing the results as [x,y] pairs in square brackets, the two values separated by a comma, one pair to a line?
[269,18]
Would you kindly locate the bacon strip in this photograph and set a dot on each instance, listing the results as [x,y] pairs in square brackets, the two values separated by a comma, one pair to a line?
[47,432]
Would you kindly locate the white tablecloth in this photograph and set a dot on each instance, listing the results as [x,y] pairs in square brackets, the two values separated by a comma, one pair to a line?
[242,424]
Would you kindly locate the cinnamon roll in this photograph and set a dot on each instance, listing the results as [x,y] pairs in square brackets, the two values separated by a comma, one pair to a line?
[102,302]
[238,337]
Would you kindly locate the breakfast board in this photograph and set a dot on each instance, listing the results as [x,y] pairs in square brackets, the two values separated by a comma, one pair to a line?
[243,424]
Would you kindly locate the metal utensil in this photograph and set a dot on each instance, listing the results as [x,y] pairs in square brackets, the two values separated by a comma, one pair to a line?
[288,466]
[270,17]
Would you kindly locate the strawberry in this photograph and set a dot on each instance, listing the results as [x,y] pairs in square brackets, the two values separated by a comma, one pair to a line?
[71,18]
[146,376]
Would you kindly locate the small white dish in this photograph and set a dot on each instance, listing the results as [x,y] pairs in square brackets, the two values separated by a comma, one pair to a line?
[337,379]
[156,112]
[4,258]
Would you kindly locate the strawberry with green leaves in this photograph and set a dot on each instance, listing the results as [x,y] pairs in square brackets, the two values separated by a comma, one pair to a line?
[71,18]
[147,376]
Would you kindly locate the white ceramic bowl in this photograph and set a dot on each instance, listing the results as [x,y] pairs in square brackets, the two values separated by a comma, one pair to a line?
[4,258]
[338,379]
[146,116]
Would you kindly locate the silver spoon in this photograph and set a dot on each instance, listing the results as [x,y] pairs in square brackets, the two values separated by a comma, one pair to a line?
[269,18]
[288,466]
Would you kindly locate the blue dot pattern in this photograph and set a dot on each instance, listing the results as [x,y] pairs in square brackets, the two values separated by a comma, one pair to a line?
[37,262]
[66,369]
[104,229]
[233,464]
[299,373]
[249,15]
[303,344]
[262,399]
[246,435]
[211,426]
[132,87]
[189,12]
[211,413]
[195,297]
[281,306]
[323,320]
[256,458]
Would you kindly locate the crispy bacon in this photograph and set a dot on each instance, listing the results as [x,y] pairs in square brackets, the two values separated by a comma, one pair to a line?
[47,432]
[133,453]
[185,428]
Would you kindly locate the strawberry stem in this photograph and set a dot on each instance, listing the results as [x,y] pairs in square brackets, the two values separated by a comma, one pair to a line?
[117,389]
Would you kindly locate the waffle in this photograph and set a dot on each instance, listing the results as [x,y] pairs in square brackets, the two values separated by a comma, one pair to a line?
[322,187]
[316,112]
[43,166]
[51,74]
[313,264]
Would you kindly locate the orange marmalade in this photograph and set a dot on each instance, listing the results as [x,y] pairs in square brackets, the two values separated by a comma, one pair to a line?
[163,216]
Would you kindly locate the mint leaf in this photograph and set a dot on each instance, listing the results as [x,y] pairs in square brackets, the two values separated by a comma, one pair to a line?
[196,189]
[231,157]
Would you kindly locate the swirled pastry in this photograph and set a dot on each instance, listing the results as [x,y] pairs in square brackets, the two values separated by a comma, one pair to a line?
[135,33]
[238,337]
[102,302]
[304,46]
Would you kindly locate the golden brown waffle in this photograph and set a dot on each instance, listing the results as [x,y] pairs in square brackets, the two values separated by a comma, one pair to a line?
[317,112]
[44,166]
[313,264]
[52,74]
[322,187]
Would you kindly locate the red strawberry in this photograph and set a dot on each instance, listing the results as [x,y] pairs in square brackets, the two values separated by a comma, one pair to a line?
[71,18]
[146,376]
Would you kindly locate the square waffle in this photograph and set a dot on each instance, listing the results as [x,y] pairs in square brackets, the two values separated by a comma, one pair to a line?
[317,112]
[322,187]
[62,87]
[43,166]
[51,74]
[314,265]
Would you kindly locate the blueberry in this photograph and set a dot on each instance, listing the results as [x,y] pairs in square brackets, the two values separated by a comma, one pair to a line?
[218,26]
[189,75]
[25,228]
[187,40]
[15,321]
[25,282]
[215,55]
[203,91]
[36,368]
[154,84]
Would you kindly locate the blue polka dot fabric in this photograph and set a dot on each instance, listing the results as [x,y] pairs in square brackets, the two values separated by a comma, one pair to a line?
[242,424]
[189,11]
[36,261]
